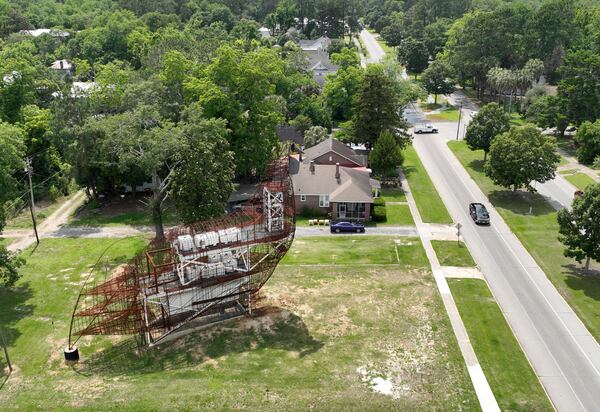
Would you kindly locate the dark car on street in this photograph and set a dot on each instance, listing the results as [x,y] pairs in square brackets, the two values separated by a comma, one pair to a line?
[340,227]
[479,214]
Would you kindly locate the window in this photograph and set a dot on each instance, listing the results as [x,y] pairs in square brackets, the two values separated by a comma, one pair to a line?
[330,159]
[351,210]
[323,200]
[303,198]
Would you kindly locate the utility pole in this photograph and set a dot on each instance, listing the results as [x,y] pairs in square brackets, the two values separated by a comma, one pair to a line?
[29,171]
[3,342]
[459,118]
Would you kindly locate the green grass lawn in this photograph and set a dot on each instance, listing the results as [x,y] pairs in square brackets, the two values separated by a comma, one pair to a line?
[518,120]
[515,385]
[357,249]
[539,234]
[393,195]
[580,180]
[398,215]
[428,200]
[320,337]
[451,253]
[136,218]
[568,172]
[43,209]
[450,114]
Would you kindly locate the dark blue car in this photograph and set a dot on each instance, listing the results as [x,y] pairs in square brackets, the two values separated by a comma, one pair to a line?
[340,227]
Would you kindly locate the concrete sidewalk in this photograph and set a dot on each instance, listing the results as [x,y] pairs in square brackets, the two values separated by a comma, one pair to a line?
[484,393]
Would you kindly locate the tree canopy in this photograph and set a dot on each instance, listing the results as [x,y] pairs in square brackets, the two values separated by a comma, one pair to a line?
[520,157]
[579,227]
[485,126]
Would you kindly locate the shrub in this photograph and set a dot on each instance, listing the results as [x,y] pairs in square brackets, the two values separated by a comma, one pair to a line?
[379,214]
[306,211]
[596,164]
[54,193]
[378,201]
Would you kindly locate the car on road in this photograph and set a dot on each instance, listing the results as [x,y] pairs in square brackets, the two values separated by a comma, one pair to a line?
[479,213]
[425,128]
[340,227]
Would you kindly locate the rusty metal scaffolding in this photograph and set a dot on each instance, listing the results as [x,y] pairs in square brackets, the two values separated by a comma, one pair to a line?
[207,269]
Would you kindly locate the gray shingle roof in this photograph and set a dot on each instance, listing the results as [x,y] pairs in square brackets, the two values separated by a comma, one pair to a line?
[333,145]
[354,185]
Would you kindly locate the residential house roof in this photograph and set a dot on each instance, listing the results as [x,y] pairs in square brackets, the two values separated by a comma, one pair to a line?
[352,186]
[61,65]
[334,145]
[319,64]
[51,32]
[322,43]
[264,32]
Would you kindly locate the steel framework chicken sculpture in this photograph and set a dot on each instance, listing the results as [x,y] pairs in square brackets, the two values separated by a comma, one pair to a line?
[204,272]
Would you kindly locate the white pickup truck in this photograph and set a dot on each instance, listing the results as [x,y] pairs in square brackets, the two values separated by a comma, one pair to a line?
[425,128]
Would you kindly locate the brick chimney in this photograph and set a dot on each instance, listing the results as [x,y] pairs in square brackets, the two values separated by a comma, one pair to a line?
[61,64]
[312,166]
[337,170]
[300,157]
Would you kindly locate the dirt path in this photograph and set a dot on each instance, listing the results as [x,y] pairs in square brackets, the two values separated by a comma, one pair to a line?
[52,223]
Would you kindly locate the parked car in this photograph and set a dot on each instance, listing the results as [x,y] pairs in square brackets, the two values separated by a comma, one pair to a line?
[571,131]
[340,227]
[579,193]
[425,128]
[479,213]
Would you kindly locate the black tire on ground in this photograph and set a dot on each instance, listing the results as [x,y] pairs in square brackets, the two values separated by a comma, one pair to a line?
[358,230]
[337,230]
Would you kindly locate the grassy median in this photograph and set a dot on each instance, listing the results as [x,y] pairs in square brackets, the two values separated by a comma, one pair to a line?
[452,253]
[538,231]
[430,205]
[323,338]
[515,385]
[580,180]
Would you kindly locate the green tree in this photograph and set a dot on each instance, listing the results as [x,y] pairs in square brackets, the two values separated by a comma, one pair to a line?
[285,13]
[580,86]
[340,89]
[588,137]
[12,151]
[315,135]
[202,180]
[491,121]
[413,54]
[548,111]
[579,227]
[481,40]
[386,156]
[378,107]
[10,263]
[394,32]
[435,36]
[437,79]
[347,57]
[145,144]
[521,156]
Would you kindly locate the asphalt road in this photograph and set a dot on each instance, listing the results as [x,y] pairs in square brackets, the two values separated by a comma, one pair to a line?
[564,355]
[376,53]
[562,352]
